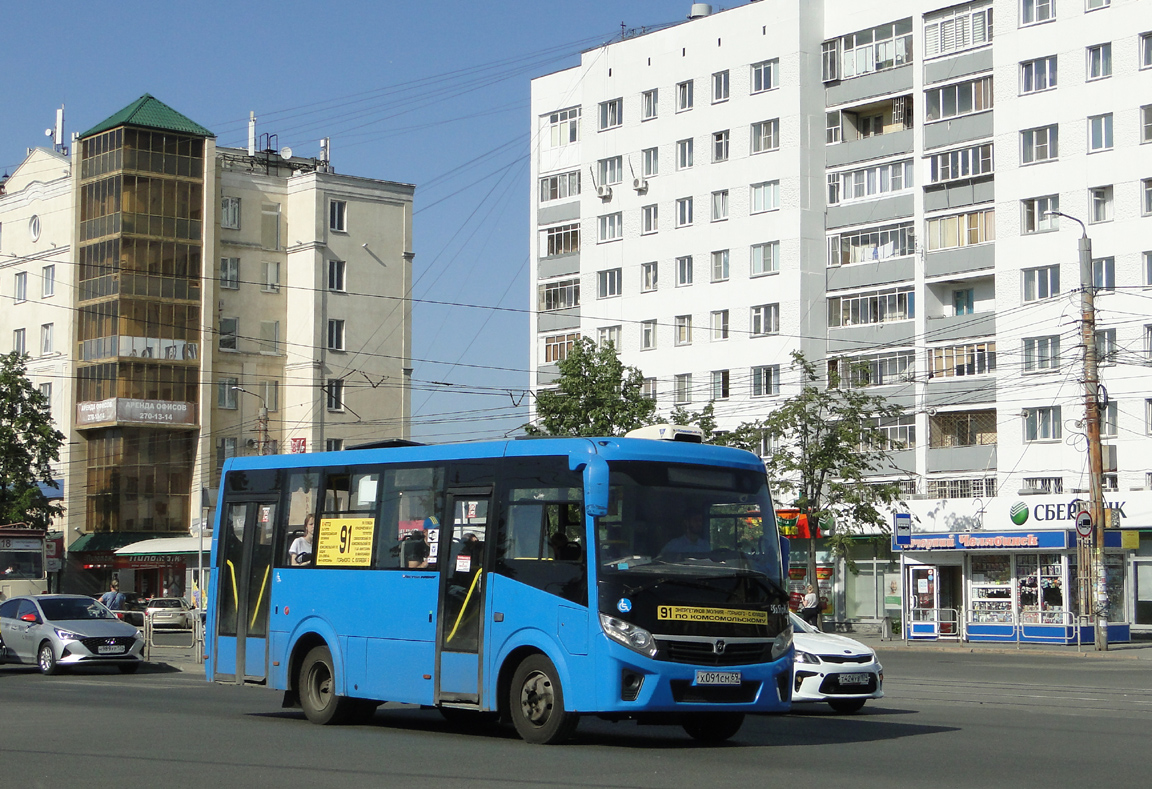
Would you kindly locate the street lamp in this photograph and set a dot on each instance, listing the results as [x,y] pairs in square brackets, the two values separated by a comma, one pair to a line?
[1092,429]
[261,419]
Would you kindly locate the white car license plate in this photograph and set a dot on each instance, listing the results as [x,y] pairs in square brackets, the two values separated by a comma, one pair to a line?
[854,679]
[116,649]
[717,677]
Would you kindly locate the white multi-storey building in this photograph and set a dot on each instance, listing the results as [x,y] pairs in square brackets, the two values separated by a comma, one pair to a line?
[872,184]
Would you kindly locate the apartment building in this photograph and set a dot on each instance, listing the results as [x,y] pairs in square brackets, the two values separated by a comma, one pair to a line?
[184,303]
[873,184]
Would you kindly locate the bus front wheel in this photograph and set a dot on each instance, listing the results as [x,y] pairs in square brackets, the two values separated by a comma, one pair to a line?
[317,688]
[536,703]
[713,727]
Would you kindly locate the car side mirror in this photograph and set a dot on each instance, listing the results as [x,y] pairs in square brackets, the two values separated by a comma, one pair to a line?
[30,618]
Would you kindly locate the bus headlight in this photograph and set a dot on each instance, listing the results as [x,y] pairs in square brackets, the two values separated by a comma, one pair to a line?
[635,638]
[782,644]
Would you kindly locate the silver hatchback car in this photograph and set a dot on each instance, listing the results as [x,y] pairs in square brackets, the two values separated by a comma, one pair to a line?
[54,631]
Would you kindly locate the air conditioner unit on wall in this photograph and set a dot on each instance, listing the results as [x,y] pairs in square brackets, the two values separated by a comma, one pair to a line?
[604,192]
[640,184]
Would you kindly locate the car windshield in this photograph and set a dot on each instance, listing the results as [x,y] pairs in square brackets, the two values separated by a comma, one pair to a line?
[165,603]
[70,608]
[688,520]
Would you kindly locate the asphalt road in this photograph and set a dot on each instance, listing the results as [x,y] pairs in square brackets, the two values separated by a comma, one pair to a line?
[949,720]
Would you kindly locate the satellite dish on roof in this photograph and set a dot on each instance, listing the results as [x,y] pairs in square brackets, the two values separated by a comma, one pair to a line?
[285,152]
[49,132]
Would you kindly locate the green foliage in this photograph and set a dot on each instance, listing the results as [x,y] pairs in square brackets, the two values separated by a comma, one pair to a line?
[705,418]
[29,443]
[596,395]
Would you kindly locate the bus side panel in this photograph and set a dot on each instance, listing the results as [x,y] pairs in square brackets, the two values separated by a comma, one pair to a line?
[396,671]
[225,654]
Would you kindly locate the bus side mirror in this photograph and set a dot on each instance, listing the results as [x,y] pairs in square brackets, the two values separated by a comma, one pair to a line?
[785,551]
[596,487]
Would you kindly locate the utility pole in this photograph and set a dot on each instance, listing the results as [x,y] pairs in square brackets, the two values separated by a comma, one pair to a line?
[261,420]
[1099,605]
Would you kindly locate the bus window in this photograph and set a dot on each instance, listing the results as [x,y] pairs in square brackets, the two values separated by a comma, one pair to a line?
[541,542]
[410,515]
[232,546]
[346,528]
[303,488]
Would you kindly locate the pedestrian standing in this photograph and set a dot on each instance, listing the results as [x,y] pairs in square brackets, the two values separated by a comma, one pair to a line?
[113,598]
[810,607]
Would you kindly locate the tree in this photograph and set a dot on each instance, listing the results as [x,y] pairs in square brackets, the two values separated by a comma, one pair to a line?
[29,444]
[705,418]
[823,445]
[596,395]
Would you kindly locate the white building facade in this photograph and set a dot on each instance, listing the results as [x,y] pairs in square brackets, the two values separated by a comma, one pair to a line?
[870,183]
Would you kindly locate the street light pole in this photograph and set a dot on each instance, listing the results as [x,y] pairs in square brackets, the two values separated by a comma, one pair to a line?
[1092,430]
[261,419]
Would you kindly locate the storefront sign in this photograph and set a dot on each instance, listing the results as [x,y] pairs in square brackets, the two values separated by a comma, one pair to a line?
[298,446]
[994,541]
[143,412]
[1131,510]
[151,561]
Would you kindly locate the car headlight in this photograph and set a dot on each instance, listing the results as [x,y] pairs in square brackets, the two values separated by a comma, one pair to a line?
[66,635]
[635,638]
[782,643]
[806,657]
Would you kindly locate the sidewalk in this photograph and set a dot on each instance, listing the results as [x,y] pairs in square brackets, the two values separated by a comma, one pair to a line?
[1135,650]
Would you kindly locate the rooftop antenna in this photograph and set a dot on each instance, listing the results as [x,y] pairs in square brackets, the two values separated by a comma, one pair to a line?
[58,136]
[325,152]
[251,133]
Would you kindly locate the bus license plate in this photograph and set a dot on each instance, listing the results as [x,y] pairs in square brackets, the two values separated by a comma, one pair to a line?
[111,650]
[717,677]
[854,679]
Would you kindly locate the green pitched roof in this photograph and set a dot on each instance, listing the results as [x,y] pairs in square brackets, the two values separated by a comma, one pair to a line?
[150,113]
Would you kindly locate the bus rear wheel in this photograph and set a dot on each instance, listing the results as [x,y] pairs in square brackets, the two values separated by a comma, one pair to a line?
[713,727]
[536,703]
[317,687]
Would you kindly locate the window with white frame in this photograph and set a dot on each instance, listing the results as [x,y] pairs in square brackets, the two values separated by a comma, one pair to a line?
[1037,75]
[649,276]
[870,307]
[560,186]
[226,394]
[980,487]
[649,104]
[1041,283]
[963,98]
[335,391]
[611,227]
[559,240]
[1106,348]
[720,265]
[684,96]
[766,135]
[683,271]
[1100,133]
[881,243]
[1146,51]
[558,346]
[1040,144]
[897,432]
[46,393]
[270,337]
[559,295]
[333,445]
[684,154]
[608,335]
[1146,196]
[19,341]
[1042,354]
[47,281]
[271,276]
[1094,4]
[766,380]
[1146,124]
[1034,11]
[336,334]
[230,213]
[1147,256]
[720,86]
[683,329]
[1049,485]
[564,127]
[1038,214]
[20,287]
[1042,424]
[1099,61]
[649,219]
[765,196]
[718,321]
[720,205]
[647,335]
[765,258]
[1110,421]
[720,384]
[651,163]
[876,49]
[962,163]
[957,29]
[337,271]
[611,170]
[765,320]
[720,146]
[225,449]
[960,230]
[611,113]
[683,211]
[883,369]
[648,389]
[682,388]
[951,361]
[338,215]
[765,75]
[229,334]
[870,182]
[1100,204]
[609,283]
[46,339]
[230,273]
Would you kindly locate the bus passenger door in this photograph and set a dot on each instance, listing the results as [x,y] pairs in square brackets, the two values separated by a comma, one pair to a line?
[244,591]
[460,632]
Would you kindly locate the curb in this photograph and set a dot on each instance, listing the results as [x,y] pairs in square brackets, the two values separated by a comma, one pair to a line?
[1030,649]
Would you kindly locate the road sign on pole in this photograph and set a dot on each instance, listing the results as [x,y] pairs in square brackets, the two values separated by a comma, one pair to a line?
[1084,524]
[903,528]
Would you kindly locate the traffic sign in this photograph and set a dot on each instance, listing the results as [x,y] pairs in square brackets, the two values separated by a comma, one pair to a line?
[1084,524]
[903,530]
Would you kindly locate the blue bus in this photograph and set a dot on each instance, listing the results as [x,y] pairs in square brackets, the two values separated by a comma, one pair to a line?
[540,580]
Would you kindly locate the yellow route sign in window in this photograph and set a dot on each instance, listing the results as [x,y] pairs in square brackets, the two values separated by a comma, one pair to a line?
[738,616]
[345,542]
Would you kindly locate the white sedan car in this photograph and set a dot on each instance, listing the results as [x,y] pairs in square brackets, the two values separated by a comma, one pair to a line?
[835,669]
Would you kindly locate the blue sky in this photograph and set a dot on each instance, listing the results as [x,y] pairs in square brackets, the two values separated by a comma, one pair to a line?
[433,93]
